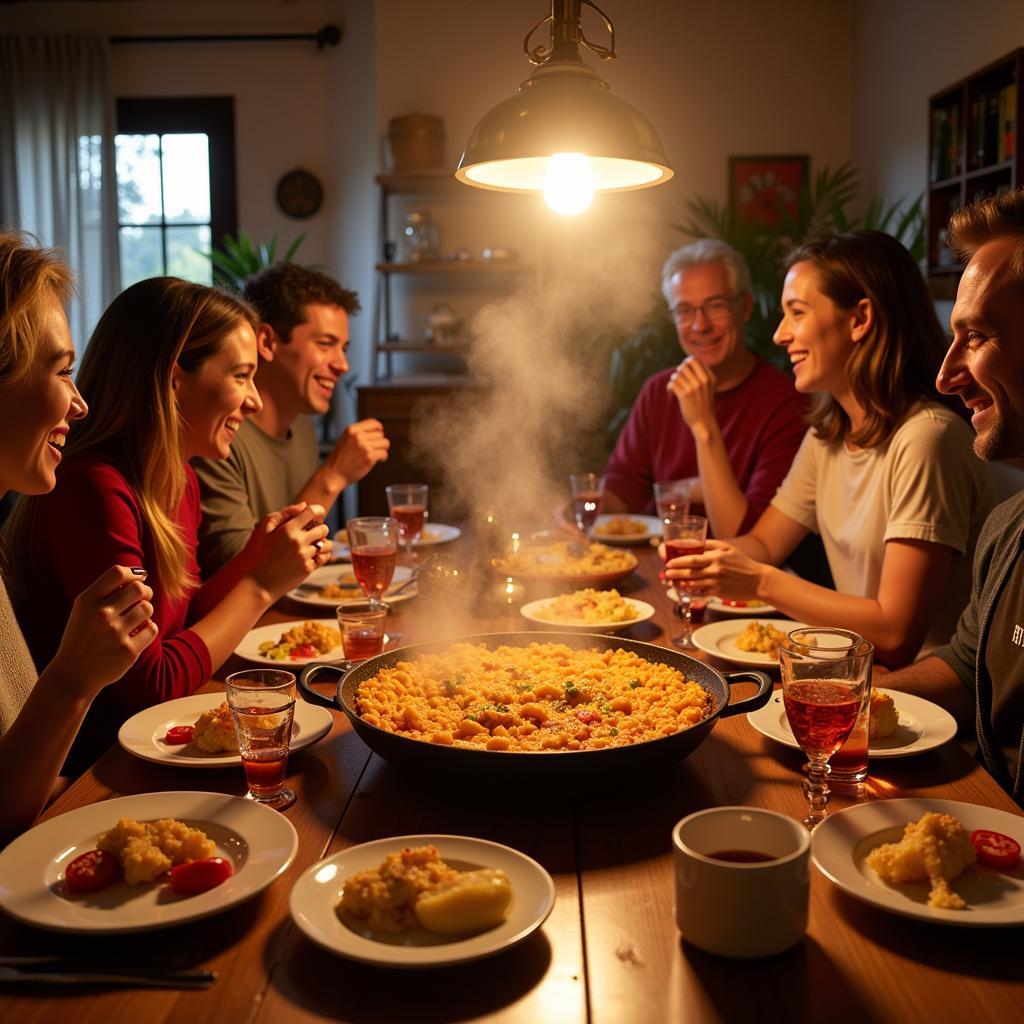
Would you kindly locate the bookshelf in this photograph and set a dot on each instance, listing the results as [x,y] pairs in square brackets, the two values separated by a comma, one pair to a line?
[974,151]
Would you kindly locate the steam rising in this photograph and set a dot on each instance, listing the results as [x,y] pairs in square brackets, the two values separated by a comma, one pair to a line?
[541,357]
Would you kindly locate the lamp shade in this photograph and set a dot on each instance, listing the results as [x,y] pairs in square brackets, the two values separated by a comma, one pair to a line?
[563,107]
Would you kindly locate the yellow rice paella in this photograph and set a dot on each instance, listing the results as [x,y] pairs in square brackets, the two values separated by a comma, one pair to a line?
[542,697]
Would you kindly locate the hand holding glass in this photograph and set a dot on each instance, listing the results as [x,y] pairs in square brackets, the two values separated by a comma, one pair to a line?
[684,536]
[262,703]
[408,504]
[826,680]
[587,496]
[374,544]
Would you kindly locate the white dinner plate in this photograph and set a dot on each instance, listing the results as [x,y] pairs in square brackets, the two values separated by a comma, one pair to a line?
[719,639]
[716,605]
[433,533]
[651,525]
[840,844]
[307,592]
[143,734]
[642,611]
[260,842]
[922,726]
[318,891]
[249,648]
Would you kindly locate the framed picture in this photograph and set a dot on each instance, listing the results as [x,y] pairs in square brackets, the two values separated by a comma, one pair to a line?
[761,186]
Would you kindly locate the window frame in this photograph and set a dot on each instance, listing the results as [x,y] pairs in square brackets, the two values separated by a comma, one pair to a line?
[213,116]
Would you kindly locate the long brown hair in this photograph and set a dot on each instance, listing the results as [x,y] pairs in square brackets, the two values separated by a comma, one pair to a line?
[126,376]
[895,366]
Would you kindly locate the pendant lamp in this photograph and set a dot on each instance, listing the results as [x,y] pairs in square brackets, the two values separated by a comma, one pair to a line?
[564,133]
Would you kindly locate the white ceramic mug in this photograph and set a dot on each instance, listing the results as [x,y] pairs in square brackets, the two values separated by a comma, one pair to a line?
[741,908]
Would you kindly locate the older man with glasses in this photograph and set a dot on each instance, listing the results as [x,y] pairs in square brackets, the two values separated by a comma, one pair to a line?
[724,418]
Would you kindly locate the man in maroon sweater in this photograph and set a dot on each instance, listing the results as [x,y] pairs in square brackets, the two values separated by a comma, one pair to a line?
[723,418]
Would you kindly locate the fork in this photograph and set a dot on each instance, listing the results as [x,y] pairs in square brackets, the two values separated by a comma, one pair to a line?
[48,970]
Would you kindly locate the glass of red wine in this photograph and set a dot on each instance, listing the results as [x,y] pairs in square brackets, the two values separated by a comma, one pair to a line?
[408,504]
[685,535]
[826,681]
[587,495]
[262,703]
[374,544]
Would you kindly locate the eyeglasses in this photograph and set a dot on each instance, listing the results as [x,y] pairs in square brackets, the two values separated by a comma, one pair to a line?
[714,310]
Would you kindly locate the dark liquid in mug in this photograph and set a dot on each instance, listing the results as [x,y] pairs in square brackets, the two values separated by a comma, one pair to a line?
[742,856]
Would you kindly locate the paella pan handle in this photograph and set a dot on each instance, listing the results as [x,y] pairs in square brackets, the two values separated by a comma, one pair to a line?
[755,703]
[307,676]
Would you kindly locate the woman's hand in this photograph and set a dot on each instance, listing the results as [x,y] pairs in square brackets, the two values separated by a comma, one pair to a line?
[107,630]
[722,570]
[694,388]
[287,546]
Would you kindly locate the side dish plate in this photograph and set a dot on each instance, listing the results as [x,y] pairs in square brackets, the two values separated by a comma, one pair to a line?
[842,842]
[317,892]
[260,842]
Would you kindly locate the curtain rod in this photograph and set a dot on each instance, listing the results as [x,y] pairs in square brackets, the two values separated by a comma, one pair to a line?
[329,35]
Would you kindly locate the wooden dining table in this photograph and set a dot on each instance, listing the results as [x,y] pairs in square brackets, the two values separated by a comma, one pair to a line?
[609,952]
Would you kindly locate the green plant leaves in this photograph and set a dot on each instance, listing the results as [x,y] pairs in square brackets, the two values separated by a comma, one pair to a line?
[241,258]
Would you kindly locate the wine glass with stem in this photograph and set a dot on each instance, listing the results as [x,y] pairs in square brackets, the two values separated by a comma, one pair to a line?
[408,504]
[826,681]
[374,544]
[685,535]
[672,499]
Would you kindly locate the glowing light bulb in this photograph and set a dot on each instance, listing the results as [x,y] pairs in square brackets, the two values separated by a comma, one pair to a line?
[569,183]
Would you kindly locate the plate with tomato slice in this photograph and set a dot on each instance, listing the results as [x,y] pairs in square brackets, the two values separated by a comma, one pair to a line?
[163,733]
[54,877]
[993,888]
[724,606]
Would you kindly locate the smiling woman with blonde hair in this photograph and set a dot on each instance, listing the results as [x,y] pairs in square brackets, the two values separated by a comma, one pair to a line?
[108,623]
[886,473]
[169,372]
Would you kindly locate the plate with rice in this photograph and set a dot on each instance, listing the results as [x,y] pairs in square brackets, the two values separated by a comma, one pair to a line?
[590,611]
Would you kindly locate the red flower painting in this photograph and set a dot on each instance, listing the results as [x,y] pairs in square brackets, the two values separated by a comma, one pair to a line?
[760,187]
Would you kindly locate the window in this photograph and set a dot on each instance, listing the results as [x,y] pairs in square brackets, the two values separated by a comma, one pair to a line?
[175,185]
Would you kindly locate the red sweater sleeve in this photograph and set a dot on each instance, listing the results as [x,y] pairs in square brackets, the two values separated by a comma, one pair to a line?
[90,522]
[629,473]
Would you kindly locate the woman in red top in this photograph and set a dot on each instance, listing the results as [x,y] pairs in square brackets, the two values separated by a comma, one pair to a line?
[169,372]
[108,622]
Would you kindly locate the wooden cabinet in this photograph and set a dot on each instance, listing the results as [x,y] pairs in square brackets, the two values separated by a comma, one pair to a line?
[408,289]
[974,152]
[398,405]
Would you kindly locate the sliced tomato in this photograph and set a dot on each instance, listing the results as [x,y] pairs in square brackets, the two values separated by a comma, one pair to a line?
[303,651]
[196,876]
[996,850]
[178,734]
[730,603]
[91,872]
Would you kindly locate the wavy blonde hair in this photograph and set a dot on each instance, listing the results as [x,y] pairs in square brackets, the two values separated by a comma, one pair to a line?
[895,366]
[126,375]
[29,276]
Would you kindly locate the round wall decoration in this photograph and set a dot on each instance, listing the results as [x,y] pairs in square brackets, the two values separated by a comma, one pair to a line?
[299,194]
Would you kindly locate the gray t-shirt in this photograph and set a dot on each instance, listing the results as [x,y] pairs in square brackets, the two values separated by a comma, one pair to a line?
[261,475]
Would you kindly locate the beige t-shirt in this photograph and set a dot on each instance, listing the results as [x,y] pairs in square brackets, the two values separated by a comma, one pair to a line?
[17,673]
[924,484]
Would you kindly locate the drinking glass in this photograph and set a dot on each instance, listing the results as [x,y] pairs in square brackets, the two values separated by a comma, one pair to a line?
[672,499]
[262,703]
[362,629]
[826,681]
[408,504]
[374,544]
[686,535]
[587,495]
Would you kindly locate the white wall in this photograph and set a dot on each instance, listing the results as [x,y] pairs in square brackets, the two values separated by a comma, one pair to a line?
[906,50]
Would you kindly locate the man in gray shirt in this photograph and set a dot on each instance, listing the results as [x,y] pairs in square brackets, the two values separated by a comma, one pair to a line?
[980,673]
[274,460]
